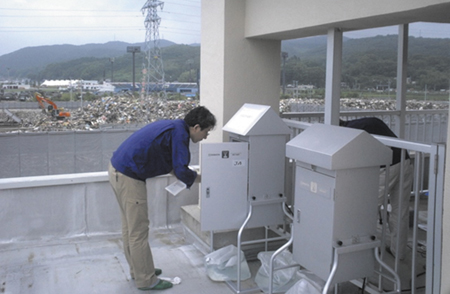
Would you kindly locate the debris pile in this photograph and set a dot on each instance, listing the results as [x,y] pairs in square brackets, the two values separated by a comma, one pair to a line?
[131,111]
[305,104]
[109,111]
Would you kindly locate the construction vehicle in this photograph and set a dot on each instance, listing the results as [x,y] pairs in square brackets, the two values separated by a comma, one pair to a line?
[51,109]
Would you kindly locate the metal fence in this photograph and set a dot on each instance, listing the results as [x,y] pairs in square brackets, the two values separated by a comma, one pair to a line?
[428,187]
[35,105]
[424,126]
[54,153]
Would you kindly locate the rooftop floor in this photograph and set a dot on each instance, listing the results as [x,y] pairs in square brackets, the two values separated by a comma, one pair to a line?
[98,265]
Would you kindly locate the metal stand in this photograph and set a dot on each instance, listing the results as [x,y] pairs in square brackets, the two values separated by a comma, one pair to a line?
[361,247]
[236,286]
[274,255]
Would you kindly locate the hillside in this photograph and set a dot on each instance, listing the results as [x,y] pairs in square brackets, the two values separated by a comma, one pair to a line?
[367,62]
[372,63]
[180,64]
[31,60]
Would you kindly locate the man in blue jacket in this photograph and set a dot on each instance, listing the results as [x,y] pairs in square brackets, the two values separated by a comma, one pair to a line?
[158,148]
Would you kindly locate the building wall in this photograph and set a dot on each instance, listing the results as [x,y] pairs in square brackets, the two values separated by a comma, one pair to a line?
[240,48]
[235,70]
[15,86]
[290,19]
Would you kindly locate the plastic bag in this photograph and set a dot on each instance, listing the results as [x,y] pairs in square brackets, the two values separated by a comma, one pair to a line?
[308,284]
[221,265]
[303,286]
[283,279]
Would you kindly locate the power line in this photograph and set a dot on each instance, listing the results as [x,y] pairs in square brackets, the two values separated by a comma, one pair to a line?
[72,30]
[175,3]
[183,21]
[178,13]
[75,27]
[102,16]
[177,20]
[47,16]
[96,16]
[179,29]
[67,10]
[121,28]
[192,1]
[88,10]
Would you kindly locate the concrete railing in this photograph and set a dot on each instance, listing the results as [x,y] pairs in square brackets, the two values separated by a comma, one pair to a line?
[69,206]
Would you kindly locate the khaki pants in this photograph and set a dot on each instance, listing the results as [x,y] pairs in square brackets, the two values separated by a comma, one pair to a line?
[399,210]
[132,197]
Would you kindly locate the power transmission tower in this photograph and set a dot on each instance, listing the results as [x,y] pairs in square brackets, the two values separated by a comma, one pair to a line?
[153,69]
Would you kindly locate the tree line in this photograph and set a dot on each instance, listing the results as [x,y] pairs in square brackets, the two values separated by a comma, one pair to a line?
[369,63]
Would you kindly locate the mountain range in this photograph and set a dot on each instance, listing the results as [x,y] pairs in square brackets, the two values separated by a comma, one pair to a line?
[364,59]
[37,58]
[34,59]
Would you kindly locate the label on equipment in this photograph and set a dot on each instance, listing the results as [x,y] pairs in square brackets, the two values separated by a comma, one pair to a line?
[238,163]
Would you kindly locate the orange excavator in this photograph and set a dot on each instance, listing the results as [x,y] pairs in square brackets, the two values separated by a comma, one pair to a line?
[51,109]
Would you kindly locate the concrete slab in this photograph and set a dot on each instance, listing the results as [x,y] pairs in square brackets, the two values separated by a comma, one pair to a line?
[98,265]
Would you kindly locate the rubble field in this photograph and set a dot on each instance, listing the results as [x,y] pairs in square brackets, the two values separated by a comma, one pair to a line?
[129,111]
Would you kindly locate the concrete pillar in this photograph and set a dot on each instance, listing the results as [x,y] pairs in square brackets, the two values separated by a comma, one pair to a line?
[445,283]
[402,61]
[445,262]
[333,77]
[235,70]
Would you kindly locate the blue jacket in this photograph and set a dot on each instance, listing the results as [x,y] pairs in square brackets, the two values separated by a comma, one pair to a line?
[154,150]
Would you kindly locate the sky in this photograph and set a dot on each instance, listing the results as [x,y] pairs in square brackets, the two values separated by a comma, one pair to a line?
[29,23]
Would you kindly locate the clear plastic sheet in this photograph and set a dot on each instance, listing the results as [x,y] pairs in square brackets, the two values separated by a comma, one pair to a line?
[284,278]
[221,265]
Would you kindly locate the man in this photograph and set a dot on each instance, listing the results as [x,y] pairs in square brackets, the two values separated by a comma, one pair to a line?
[158,148]
[376,126]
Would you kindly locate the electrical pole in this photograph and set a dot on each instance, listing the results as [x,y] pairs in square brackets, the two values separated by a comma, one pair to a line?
[389,89]
[284,55]
[295,88]
[112,69]
[134,50]
[153,70]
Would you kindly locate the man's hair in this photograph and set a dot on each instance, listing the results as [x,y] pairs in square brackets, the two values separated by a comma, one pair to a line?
[201,116]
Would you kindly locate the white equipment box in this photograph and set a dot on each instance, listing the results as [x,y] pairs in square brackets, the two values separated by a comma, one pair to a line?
[336,196]
[258,180]
[224,169]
